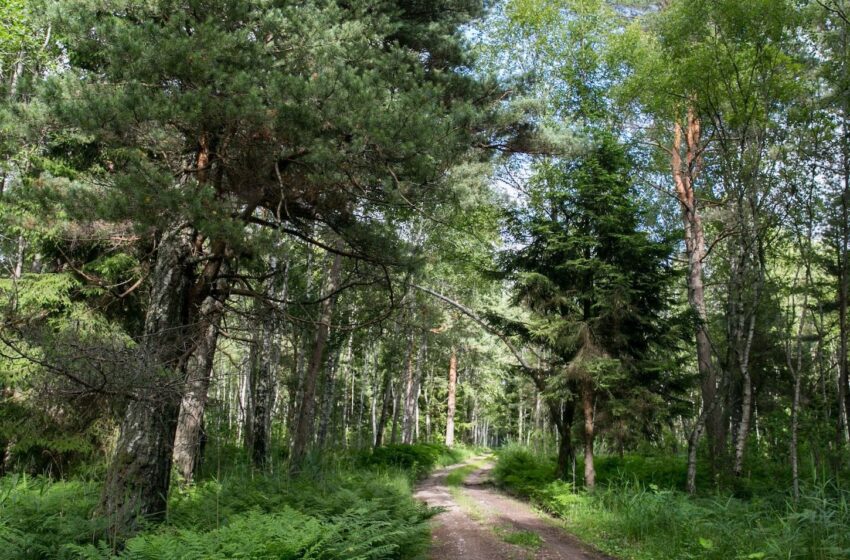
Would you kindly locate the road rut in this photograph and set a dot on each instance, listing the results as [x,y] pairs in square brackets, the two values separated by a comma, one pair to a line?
[478,519]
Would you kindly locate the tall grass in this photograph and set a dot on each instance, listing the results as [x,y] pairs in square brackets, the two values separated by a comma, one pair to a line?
[630,518]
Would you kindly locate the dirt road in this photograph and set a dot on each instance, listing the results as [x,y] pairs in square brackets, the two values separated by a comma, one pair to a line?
[481,523]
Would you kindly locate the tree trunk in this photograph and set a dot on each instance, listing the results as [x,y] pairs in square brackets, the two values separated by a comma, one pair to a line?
[396,412]
[262,390]
[264,360]
[684,174]
[795,368]
[520,415]
[406,396]
[306,413]
[328,399]
[427,398]
[411,397]
[562,414]
[296,385]
[138,476]
[450,411]
[693,445]
[187,441]
[843,432]
[746,402]
[385,409]
[587,411]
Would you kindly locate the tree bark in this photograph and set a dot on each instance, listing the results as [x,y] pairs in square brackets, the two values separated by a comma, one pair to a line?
[843,432]
[187,441]
[296,385]
[685,172]
[262,393]
[411,396]
[385,406]
[563,414]
[746,401]
[427,398]
[396,412]
[304,427]
[587,398]
[138,476]
[450,410]
[328,399]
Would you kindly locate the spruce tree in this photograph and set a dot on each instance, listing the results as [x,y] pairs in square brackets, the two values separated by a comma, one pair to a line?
[594,281]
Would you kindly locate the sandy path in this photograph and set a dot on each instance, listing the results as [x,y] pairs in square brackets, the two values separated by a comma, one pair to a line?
[478,517]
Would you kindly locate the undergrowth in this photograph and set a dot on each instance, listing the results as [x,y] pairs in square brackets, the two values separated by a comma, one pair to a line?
[355,508]
[630,518]
[419,459]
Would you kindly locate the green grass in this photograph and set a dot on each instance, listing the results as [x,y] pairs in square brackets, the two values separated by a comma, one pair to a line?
[525,539]
[631,519]
[467,504]
[457,476]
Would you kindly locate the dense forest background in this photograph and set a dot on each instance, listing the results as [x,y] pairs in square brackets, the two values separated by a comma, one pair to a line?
[265,263]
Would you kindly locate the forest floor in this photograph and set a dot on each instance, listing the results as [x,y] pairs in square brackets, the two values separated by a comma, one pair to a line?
[481,523]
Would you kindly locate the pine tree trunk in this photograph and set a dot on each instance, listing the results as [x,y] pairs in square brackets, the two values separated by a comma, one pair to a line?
[307,409]
[450,411]
[138,476]
[684,174]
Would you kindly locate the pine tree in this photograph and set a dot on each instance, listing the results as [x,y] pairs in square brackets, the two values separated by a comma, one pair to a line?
[207,117]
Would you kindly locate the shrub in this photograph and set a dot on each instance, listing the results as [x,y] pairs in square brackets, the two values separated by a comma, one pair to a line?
[522,471]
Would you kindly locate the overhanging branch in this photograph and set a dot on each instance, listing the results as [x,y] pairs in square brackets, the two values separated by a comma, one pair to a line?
[481,322]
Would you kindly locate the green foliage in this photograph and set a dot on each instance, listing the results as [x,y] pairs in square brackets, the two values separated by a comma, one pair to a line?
[41,443]
[522,471]
[631,518]
[38,517]
[334,514]
[418,458]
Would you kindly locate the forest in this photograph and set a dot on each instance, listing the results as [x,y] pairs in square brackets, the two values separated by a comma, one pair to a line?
[408,279]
